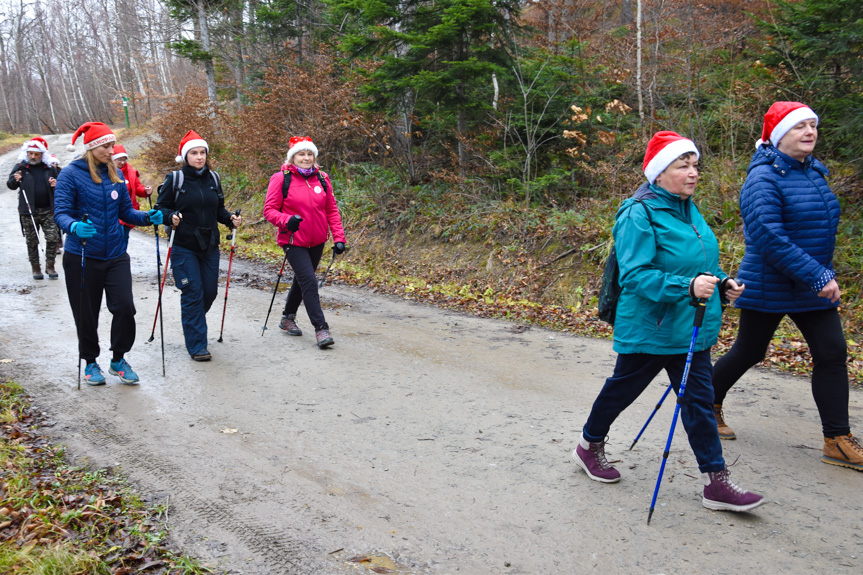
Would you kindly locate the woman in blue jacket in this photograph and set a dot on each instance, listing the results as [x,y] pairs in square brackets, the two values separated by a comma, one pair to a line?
[667,257]
[790,219]
[90,199]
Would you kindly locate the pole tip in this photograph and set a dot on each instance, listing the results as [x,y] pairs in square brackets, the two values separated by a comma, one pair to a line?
[649,515]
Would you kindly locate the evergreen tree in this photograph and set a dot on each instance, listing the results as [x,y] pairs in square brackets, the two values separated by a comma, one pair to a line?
[437,58]
[818,46]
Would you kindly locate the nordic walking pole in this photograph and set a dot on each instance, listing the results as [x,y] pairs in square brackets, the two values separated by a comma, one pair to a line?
[81,301]
[655,409]
[161,289]
[327,271]
[700,308]
[32,219]
[159,281]
[279,279]
[233,238]
[725,303]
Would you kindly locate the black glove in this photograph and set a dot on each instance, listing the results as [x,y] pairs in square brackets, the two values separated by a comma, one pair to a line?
[339,248]
[294,223]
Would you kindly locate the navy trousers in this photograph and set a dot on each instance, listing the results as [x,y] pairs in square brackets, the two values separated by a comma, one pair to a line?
[196,274]
[634,372]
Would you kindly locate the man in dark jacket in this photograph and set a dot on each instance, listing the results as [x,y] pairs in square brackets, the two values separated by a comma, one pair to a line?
[34,176]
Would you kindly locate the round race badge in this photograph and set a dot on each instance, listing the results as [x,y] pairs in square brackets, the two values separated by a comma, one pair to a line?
[318,189]
[114,194]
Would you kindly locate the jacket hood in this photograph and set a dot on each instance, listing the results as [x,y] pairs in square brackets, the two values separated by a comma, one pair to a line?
[662,197]
[767,155]
[81,164]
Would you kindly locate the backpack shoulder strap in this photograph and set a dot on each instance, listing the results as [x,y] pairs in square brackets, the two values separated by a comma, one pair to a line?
[218,179]
[286,184]
[325,180]
[177,180]
[646,211]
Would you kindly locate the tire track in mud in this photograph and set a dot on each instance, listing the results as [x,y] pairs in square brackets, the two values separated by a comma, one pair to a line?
[273,548]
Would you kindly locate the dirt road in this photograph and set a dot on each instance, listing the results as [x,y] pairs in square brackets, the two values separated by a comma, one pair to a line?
[437,440]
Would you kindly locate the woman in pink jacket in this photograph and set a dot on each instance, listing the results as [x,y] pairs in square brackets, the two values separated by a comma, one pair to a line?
[301,204]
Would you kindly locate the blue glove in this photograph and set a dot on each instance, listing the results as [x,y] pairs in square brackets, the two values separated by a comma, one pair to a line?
[84,230]
[339,248]
[155,217]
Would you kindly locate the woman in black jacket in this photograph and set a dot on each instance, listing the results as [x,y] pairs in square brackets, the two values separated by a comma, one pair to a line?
[192,201]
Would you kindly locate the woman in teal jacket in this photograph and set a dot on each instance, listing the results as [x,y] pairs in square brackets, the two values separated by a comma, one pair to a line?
[667,257]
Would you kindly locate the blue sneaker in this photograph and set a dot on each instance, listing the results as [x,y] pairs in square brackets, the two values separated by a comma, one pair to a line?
[123,370]
[93,374]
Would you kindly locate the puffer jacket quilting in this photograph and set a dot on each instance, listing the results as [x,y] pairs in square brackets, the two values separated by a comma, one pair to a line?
[105,204]
[790,220]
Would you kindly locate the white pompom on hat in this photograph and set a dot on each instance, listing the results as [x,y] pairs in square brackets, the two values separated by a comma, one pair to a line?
[295,144]
[95,134]
[781,117]
[189,141]
[662,149]
[119,152]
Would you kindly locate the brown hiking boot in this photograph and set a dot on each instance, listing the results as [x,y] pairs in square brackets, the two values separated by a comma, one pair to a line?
[725,432]
[844,451]
[37,272]
[52,273]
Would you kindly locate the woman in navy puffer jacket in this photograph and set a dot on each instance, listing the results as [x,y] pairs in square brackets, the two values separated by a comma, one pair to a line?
[89,200]
[790,219]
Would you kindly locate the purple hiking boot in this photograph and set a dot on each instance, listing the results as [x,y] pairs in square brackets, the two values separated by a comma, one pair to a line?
[722,494]
[591,457]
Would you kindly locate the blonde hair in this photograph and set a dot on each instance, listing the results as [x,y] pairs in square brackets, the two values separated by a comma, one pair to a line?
[93,164]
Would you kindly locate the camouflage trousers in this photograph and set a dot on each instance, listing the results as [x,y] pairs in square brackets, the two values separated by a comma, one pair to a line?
[44,221]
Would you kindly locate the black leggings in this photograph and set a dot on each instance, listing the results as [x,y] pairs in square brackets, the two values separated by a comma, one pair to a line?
[114,278]
[304,289]
[822,331]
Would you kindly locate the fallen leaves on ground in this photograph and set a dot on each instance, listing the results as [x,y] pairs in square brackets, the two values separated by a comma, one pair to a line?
[46,504]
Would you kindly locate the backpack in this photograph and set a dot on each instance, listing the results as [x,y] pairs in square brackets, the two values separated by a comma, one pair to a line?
[609,293]
[286,182]
[177,183]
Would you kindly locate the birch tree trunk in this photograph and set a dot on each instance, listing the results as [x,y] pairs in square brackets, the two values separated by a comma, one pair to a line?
[638,64]
[204,27]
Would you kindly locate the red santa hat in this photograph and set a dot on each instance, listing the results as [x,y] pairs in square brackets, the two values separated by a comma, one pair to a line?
[662,149]
[119,152]
[37,144]
[781,117]
[95,134]
[189,141]
[295,144]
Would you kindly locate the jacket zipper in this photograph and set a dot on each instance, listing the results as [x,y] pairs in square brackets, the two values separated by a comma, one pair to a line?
[105,209]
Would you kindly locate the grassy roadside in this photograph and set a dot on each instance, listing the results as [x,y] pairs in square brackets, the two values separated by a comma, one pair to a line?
[63,520]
